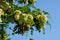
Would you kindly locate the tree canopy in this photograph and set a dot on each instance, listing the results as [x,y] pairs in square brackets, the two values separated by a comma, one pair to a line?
[23,16]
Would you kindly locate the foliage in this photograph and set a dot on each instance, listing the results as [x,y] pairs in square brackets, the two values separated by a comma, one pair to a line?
[23,16]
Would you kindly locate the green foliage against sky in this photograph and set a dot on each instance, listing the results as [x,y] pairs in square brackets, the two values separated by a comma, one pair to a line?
[23,16]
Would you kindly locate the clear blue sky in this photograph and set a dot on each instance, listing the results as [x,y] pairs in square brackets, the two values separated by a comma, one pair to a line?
[53,7]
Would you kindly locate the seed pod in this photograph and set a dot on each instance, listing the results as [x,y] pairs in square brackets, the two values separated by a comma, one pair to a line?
[17,12]
[28,26]
[0,20]
[42,26]
[17,15]
[1,12]
[25,17]
[7,3]
[44,18]
[34,1]
[26,2]
[30,16]
[38,16]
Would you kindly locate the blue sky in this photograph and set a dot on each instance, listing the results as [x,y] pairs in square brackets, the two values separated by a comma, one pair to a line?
[53,7]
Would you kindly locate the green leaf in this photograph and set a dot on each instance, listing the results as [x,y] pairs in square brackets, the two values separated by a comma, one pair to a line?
[32,30]
[25,9]
[10,1]
[48,24]
[46,13]
[31,39]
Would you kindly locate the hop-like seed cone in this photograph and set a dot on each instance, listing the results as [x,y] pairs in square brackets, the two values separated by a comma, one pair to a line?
[1,12]
[28,25]
[17,14]
[38,16]
[34,1]
[17,17]
[29,15]
[25,17]
[44,18]
[0,20]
